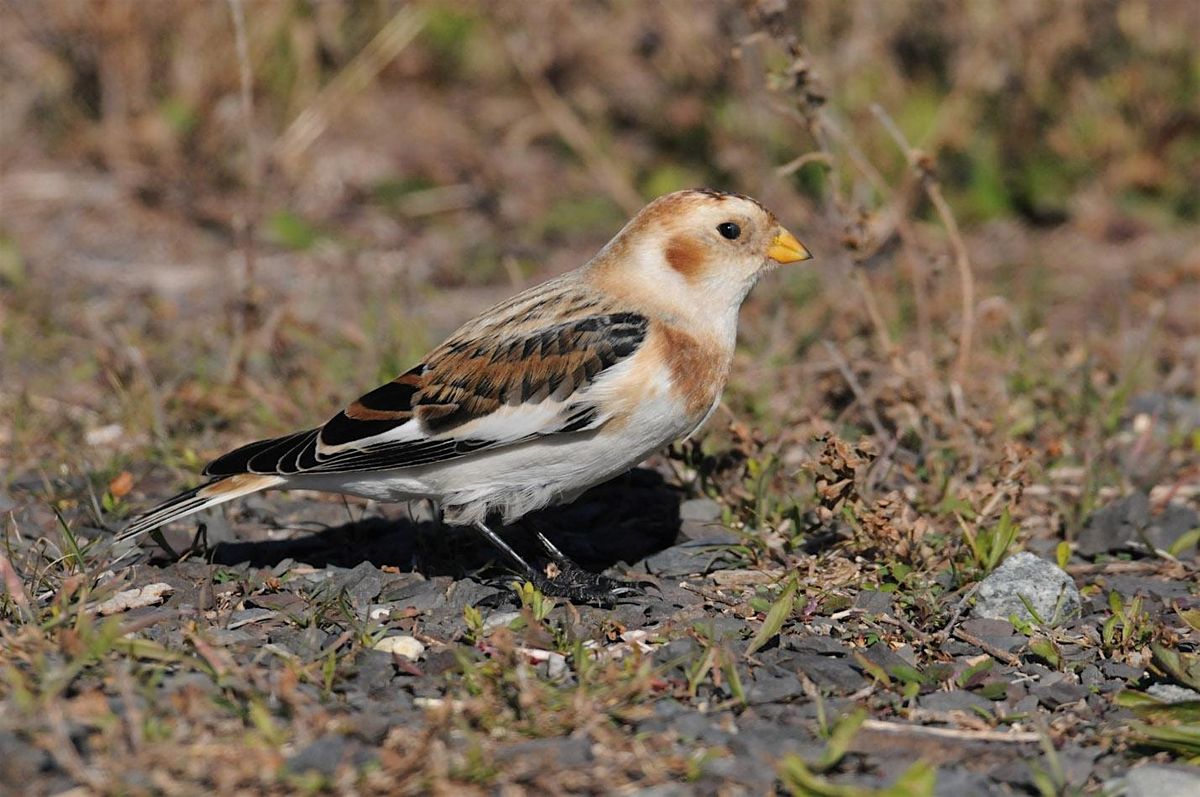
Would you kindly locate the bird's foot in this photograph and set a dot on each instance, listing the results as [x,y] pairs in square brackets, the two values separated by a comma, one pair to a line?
[573,583]
[562,578]
[581,586]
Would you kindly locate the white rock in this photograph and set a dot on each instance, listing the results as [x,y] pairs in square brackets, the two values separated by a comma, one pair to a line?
[379,612]
[105,435]
[556,663]
[406,646]
[499,620]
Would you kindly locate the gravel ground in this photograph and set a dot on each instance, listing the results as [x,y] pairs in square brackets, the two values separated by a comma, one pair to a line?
[401,626]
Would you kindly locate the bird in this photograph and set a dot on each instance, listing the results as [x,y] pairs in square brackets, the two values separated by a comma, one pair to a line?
[562,387]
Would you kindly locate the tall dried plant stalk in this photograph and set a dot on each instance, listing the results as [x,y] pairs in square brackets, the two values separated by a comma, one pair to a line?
[245,220]
[922,164]
[835,146]
[356,76]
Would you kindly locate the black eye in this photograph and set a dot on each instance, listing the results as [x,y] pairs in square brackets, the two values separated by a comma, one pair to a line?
[729,230]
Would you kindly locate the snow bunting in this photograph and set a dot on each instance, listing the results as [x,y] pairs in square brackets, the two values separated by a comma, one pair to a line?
[559,388]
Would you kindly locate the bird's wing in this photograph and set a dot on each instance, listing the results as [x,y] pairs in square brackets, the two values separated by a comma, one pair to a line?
[489,386]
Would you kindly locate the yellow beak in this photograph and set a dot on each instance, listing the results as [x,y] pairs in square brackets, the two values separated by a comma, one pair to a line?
[786,249]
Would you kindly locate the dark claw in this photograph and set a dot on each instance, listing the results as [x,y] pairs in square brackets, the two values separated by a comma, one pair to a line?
[643,586]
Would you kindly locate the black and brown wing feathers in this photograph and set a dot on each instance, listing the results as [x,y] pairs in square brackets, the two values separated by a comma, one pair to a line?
[468,377]
[465,380]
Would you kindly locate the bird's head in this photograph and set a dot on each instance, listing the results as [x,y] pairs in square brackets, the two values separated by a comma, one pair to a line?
[697,250]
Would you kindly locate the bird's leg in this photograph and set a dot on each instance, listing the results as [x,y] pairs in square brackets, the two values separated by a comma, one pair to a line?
[199,542]
[158,536]
[513,556]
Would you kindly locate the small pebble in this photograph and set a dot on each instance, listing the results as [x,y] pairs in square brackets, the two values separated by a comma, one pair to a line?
[406,646]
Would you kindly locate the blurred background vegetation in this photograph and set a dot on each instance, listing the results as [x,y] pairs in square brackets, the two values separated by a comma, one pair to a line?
[172,264]
[1027,105]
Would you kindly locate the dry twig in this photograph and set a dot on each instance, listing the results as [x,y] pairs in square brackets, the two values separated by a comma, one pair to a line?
[922,165]
[986,647]
[308,126]
[900,728]
[856,387]
[246,219]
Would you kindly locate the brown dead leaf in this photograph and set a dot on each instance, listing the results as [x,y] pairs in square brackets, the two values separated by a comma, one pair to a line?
[120,486]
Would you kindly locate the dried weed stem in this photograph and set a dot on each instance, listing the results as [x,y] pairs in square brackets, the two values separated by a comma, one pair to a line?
[922,164]
[310,123]
[245,220]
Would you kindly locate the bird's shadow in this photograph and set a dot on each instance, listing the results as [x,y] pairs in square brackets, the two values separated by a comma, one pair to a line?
[624,520]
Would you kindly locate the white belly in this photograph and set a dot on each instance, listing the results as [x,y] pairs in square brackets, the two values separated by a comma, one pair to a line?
[519,479]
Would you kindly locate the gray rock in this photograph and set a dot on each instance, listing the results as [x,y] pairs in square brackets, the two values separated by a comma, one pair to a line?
[1117,669]
[1171,412]
[681,560]
[1113,526]
[656,723]
[375,670]
[1155,780]
[1129,585]
[677,652]
[369,726]
[957,700]
[324,755]
[419,594]
[701,510]
[1060,694]
[874,601]
[886,658]
[709,534]
[568,752]
[1091,676]
[997,633]
[23,762]
[955,782]
[1051,592]
[225,637]
[817,643]
[760,742]
[826,671]
[361,584]
[444,660]
[468,592]
[1077,762]
[665,790]
[773,685]
[1128,524]
[699,728]
[1169,525]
